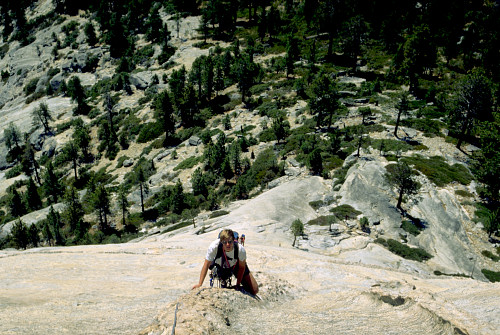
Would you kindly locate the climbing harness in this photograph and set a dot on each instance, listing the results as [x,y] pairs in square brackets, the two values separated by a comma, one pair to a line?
[221,275]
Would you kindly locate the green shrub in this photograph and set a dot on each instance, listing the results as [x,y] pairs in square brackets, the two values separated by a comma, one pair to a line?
[178,226]
[259,88]
[31,86]
[363,222]
[492,276]
[341,174]
[188,163]
[439,172]
[490,255]
[143,54]
[439,273]
[323,220]
[390,145]
[149,132]
[429,127]
[345,211]
[203,45]
[409,227]
[400,249]
[316,204]
[62,127]
[216,214]
[3,50]
[120,161]
[464,193]
[267,135]
[431,112]
[267,108]
[14,171]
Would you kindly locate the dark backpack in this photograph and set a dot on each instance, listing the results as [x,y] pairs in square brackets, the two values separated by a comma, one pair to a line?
[222,272]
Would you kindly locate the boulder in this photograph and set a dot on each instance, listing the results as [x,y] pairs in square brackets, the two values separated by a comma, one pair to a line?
[4,165]
[194,141]
[444,236]
[128,162]
[139,82]
[56,81]
[80,61]
[49,147]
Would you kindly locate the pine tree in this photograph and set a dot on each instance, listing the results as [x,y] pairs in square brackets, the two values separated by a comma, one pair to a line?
[292,54]
[189,107]
[207,78]
[470,104]
[34,235]
[226,170]
[178,198]
[73,211]
[281,128]
[297,230]
[54,223]
[199,183]
[401,177]
[154,25]
[52,187]
[76,92]
[143,186]
[70,152]
[323,99]
[90,34]
[403,107]
[316,161]
[16,204]
[28,161]
[165,114]
[354,32]
[41,116]
[32,197]
[19,234]
[47,233]
[176,83]
[82,139]
[12,136]
[101,203]
[247,73]
[123,204]
[117,37]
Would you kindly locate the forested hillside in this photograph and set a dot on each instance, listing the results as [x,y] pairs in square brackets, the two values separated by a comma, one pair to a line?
[273,83]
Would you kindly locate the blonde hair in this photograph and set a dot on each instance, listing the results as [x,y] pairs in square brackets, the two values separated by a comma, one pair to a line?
[226,234]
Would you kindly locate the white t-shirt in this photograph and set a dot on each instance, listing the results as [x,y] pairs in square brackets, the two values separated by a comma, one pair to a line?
[212,252]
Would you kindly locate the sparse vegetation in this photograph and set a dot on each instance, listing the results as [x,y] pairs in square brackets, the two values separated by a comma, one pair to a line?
[439,172]
[490,255]
[492,276]
[345,212]
[400,249]
[297,230]
[409,227]
[323,220]
[193,101]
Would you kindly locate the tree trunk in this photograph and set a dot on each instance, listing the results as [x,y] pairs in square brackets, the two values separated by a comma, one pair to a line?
[397,124]
[142,199]
[74,168]
[400,199]
[463,131]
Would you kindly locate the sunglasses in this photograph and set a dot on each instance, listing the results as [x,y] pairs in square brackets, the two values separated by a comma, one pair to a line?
[227,242]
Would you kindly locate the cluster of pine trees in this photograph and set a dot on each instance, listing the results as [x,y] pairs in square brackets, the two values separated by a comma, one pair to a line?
[446,53]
